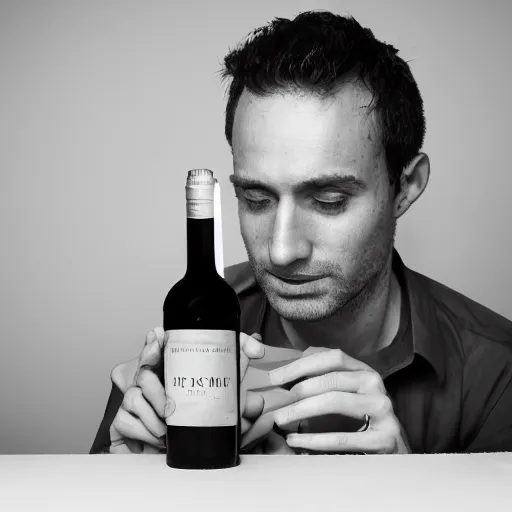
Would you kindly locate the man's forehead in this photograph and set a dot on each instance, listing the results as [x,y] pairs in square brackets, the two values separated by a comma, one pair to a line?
[284,119]
[288,135]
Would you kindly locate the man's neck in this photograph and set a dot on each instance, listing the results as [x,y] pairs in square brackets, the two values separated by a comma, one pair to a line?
[367,326]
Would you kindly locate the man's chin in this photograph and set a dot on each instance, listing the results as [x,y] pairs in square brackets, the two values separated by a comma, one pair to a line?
[300,308]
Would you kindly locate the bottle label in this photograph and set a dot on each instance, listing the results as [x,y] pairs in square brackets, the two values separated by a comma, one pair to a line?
[201,378]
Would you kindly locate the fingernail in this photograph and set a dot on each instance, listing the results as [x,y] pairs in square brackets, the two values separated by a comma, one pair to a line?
[276,376]
[151,336]
[170,405]
[257,336]
[255,347]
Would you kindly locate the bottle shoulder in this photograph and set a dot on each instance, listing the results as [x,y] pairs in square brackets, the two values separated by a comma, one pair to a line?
[207,287]
[208,303]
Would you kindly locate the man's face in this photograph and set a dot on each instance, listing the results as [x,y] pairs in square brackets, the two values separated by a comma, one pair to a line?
[315,203]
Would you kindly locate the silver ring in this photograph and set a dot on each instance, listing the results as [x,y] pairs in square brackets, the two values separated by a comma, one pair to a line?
[364,428]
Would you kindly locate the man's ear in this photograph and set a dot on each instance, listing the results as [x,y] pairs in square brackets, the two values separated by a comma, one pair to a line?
[413,181]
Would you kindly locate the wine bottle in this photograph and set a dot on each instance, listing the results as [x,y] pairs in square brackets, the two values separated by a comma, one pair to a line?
[202,353]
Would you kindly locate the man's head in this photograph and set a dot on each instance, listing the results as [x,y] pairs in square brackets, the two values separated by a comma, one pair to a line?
[325,124]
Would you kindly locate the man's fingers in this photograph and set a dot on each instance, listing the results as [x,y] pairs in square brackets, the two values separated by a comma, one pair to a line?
[316,364]
[157,334]
[250,348]
[152,389]
[130,427]
[332,402]
[151,354]
[147,448]
[363,382]
[134,446]
[122,449]
[135,403]
[130,446]
[254,404]
[339,442]
[150,337]
[150,357]
[245,425]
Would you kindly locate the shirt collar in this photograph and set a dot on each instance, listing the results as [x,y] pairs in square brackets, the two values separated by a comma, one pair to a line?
[426,332]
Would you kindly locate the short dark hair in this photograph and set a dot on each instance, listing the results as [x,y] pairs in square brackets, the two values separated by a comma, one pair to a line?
[312,53]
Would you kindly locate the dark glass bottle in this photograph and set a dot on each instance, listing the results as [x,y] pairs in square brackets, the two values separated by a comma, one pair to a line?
[202,354]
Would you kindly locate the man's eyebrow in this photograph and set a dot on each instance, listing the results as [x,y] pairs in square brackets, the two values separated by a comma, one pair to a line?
[318,182]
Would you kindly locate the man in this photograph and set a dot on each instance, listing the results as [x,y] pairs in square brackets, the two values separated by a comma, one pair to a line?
[326,125]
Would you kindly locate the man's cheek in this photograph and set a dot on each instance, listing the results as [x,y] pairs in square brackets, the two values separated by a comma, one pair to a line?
[254,236]
[245,231]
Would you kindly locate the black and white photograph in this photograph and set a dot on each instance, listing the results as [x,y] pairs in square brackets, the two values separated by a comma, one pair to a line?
[255,255]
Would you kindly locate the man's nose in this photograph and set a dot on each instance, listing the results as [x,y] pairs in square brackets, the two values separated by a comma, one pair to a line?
[288,242]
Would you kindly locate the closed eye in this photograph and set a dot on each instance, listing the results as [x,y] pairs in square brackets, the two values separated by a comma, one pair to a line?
[328,202]
[331,206]
[253,198]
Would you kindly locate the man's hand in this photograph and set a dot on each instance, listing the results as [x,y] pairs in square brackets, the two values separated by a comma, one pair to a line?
[251,403]
[139,425]
[339,384]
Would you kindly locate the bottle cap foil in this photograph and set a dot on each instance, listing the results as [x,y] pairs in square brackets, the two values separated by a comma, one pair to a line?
[198,177]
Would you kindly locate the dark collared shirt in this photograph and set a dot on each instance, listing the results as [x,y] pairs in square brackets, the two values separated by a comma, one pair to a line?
[448,371]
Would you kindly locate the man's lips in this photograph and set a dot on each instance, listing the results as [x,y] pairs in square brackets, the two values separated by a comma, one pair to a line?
[295,278]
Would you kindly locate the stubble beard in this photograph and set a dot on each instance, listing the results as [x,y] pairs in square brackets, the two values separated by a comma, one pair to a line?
[343,295]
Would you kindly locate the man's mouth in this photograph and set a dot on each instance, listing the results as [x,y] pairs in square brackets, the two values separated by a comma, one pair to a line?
[295,279]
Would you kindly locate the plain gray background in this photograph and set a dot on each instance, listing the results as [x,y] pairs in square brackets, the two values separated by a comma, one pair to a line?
[104,106]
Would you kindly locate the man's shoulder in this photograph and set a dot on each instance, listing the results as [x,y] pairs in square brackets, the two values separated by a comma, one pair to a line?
[464,315]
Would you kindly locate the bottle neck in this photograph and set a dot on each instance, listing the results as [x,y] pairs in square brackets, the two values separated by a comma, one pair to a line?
[200,247]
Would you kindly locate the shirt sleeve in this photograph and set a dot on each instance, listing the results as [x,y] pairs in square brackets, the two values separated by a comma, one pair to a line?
[488,403]
[101,443]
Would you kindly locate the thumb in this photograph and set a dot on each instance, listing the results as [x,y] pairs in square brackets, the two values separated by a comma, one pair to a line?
[158,334]
[250,348]
[151,355]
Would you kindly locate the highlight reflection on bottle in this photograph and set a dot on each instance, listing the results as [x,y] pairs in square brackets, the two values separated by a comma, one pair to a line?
[202,353]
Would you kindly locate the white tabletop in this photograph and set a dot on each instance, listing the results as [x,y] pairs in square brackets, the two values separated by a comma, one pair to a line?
[477,482]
